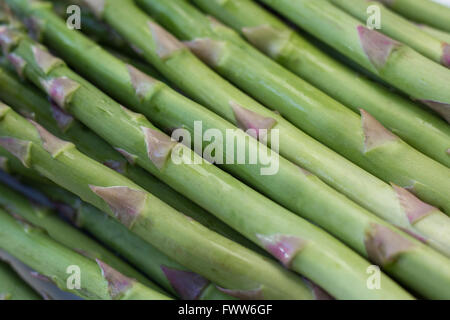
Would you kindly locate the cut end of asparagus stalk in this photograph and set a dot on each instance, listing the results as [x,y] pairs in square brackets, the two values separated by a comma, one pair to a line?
[414,208]
[19,148]
[441,108]
[142,83]
[18,63]
[207,50]
[159,146]
[188,285]
[45,60]
[252,121]
[96,6]
[118,284]
[166,44]
[446,55]
[375,134]
[377,46]
[282,247]
[267,39]
[384,246]
[125,203]
[60,89]
[50,143]
[254,294]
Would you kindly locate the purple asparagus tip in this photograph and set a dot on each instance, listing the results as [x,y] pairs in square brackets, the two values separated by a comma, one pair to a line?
[188,285]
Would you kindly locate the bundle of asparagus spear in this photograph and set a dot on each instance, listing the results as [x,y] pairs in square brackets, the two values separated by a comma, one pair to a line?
[209,149]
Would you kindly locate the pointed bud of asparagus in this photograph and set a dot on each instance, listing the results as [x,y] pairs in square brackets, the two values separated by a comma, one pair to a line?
[317,292]
[208,50]
[188,285]
[50,143]
[96,6]
[446,55]
[384,246]
[45,60]
[62,118]
[247,119]
[19,148]
[442,108]
[267,39]
[254,294]
[414,208]
[159,146]
[282,247]
[118,166]
[377,46]
[118,284]
[166,44]
[8,39]
[125,203]
[60,90]
[131,158]
[136,117]
[142,83]
[375,134]
[18,63]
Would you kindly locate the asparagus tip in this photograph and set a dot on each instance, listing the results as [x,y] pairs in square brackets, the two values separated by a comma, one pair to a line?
[118,284]
[62,118]
[44,59]
[125,203]
[446,55]
[131,158]
[253,294]
[376,45]
[19,148]
[60,89]
[383,245]
[441,108]
[375,134]
[317,291]
[208,50]
[142,83]
[50,143]
[282,247]
[414,208]
[166,43]
[267,38]
[251,121]
[18,63]
[188,285]
[159,146]
[118,166]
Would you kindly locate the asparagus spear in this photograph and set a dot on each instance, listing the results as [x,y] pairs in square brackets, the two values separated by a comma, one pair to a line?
[246,215]
[429,12]
[14,203]
[441,35]
[57,263]
[394,62]
[32,103]
[12,287]
[398,28]
[187,25]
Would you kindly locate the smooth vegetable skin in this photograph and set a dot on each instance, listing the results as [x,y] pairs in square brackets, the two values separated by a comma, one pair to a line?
[261,220]
[62,266]
[12,287]
[31,103]
[65,234]
[426,11]
[419,128]
[398,28]
[439,34]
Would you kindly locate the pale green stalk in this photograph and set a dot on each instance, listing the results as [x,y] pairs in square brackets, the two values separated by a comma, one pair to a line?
[12,287]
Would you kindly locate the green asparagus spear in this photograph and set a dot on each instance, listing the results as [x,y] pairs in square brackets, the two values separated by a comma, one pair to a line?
[62,266]
[439,34]
[398,28]
[424,131]
[261,220]
[12,287]
[33,104]
[394,62]
[425,11]
[14,203]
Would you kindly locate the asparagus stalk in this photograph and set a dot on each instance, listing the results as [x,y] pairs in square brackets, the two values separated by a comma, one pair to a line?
[425,11]
[150,260]
[259,219]
[421,129]
[14,203]
[32,103]
[441,35]
[12,287]
[286,93]
[56,262]
[394,62]
[398,28]
[362,219]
